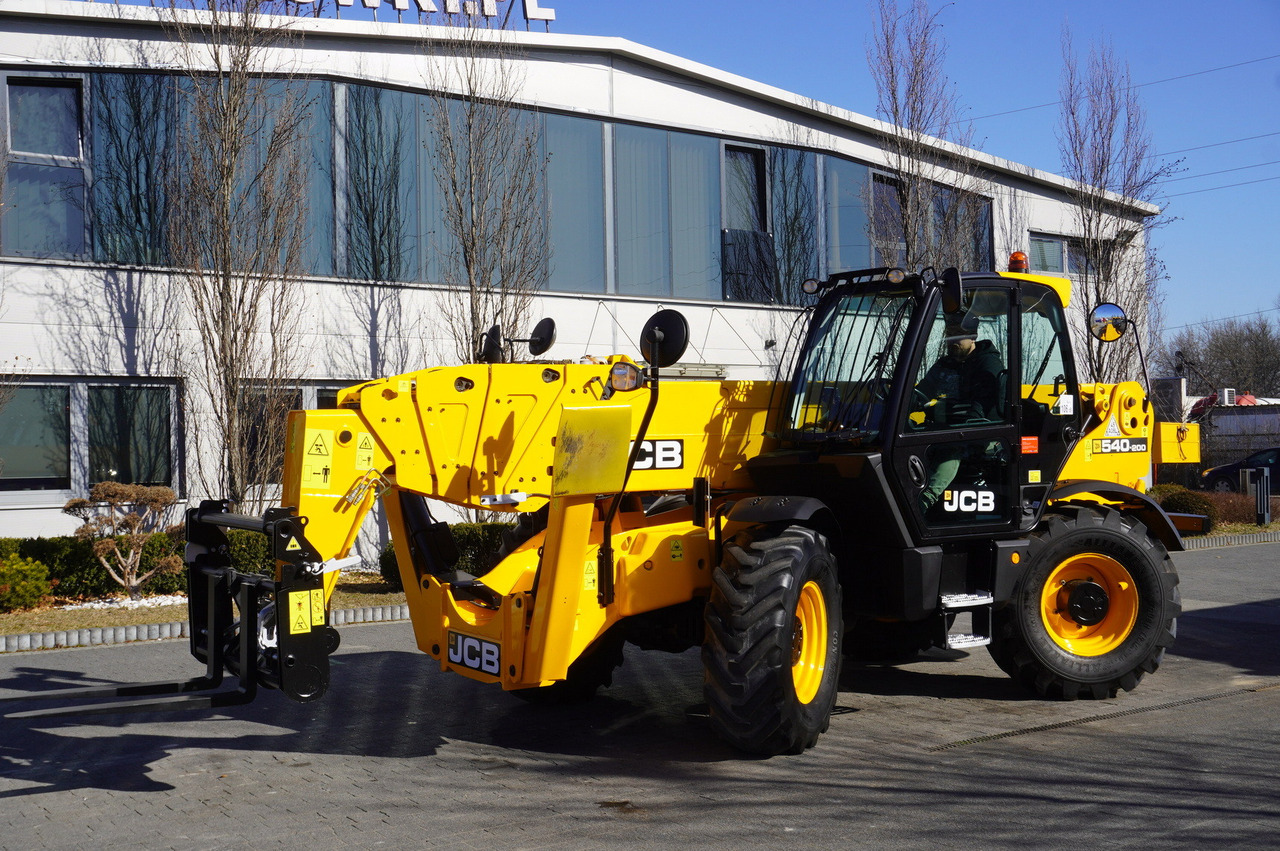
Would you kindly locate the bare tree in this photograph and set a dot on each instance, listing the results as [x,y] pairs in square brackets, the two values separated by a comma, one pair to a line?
[1108,154]
[1237,353]
[926,210]
[236,233]
[489,166]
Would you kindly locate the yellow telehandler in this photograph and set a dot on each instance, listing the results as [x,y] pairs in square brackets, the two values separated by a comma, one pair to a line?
[930,472]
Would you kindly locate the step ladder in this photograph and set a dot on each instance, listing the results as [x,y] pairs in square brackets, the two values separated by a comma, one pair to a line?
[979,605]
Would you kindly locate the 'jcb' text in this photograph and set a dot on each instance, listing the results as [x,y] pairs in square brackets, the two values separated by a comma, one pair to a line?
[969,501]
[660,455]
[474,653]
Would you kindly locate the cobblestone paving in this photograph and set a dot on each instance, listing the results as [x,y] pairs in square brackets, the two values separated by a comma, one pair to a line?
[943,753]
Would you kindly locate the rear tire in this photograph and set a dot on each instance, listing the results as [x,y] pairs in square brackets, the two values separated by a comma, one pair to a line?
[1094,610]
[772,652]
[1222,485]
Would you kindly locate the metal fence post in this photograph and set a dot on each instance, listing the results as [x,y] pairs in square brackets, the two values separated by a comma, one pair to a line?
[1261,480]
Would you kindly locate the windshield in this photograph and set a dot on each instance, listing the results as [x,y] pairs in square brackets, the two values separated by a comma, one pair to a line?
[841,387]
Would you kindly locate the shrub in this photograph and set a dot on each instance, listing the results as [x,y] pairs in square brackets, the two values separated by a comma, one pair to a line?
[250,552]
[478,546]
[23,583]
[71,564]
[1241,507]
[118,521]
[1192,502]
[1159,492]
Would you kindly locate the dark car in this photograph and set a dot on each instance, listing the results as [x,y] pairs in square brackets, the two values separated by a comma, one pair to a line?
[1227,476]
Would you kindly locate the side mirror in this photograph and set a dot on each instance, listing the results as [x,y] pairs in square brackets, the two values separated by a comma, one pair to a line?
[952,290]
[542,337]
[491,346]
[664,338]
[1107,322]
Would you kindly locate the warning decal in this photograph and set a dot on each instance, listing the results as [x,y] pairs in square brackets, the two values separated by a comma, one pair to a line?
[300,612]
[317,607]
[589,577]
[1113,428]
[292,545]
[317,459]
[364,451]
[677,550]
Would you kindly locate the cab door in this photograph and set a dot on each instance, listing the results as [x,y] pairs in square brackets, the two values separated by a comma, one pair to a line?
[956,448]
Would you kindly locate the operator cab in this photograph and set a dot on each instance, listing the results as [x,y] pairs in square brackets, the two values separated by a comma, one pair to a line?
[956,393]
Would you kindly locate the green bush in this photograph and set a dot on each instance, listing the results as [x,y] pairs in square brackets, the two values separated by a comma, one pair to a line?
[250,552]
[9,547]
[72,564]
[1192,502]
[23,583]
[478,545]
[389,567]
[1159,492]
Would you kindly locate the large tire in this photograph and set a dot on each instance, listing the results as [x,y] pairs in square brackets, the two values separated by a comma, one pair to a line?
[1094,610]
[772,652]
[587,674]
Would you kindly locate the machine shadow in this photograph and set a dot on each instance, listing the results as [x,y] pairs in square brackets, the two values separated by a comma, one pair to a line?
[1245,636]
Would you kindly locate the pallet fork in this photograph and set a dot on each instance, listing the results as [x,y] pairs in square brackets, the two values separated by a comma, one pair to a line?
[266,632]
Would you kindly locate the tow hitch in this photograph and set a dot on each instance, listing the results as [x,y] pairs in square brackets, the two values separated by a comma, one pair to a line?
[262,631]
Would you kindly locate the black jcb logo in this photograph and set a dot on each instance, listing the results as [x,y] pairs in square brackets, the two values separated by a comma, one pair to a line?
[660,455]
[474,653]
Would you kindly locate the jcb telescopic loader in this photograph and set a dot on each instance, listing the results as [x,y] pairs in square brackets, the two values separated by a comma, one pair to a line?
[931,473]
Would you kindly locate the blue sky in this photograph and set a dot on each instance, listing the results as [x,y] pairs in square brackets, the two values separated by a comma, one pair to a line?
[1005,55]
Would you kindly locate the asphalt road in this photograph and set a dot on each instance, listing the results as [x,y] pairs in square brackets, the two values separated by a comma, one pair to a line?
[943,753]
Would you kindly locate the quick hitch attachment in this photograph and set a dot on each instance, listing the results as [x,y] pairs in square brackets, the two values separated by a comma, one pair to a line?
[263,631]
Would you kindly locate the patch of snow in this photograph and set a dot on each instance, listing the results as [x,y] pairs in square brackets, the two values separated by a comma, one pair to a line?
[126,603]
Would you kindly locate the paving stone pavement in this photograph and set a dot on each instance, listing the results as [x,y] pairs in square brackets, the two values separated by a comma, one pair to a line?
[945,752]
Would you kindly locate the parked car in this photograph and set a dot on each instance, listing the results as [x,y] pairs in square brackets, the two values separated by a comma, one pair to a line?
[1227,476]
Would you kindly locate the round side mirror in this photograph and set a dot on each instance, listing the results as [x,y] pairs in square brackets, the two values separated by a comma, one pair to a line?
[664,338]
[1107,322]
[491,345]
[542,337]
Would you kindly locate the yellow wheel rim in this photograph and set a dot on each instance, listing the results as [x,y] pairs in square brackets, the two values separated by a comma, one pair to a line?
[1113,626]
[809,643]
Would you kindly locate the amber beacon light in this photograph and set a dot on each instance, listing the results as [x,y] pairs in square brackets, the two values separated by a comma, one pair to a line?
[1018,262]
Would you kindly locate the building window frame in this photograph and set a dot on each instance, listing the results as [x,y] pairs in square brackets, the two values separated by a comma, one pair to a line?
[81,161]
[77,439]
[1070,249]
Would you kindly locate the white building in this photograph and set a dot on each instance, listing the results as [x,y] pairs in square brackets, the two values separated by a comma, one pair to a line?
[664,188]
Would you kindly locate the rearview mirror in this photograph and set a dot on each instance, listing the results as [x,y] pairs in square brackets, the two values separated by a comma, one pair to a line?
[664,338]
[1107,322]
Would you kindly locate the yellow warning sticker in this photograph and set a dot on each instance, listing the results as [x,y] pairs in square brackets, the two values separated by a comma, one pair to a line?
[317,607]
[317,459]
[299,612]
[677,550]
[1033,477]
[364,451]
[293,545]
[589,577]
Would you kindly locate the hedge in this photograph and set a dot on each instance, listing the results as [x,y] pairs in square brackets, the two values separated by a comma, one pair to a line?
[75,573]
[478,548]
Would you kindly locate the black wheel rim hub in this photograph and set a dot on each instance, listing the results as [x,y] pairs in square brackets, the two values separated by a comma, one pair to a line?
[1087,602]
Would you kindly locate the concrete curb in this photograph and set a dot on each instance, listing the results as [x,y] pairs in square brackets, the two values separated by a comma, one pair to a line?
[1211,542]
[176,629]
[379,614]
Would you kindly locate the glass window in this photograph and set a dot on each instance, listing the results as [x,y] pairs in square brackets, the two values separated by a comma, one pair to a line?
[695,216]
[44,117]
[575,195]
[963,376]
[744,189]
[795,221]
[382,149]
[1047,255]
[132,118]
[35,439]
[643,211]
[848,245]
[130,435]
[44,211]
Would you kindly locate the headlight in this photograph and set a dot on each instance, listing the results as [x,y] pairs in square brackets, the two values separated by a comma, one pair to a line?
[625,376]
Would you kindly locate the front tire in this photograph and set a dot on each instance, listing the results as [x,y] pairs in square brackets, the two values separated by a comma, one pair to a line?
[1094,610]
[772,652]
